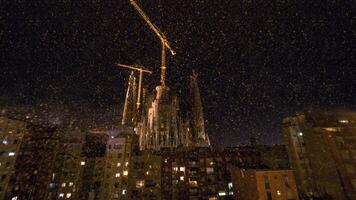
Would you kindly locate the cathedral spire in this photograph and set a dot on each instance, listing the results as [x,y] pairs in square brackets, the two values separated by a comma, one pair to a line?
[198,129]
[128,114]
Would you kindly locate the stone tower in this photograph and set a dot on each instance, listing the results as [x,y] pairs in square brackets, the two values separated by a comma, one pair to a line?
[129,113]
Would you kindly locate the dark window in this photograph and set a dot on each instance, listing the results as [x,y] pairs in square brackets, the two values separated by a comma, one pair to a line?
[267,186]
[286,180]
[269,196]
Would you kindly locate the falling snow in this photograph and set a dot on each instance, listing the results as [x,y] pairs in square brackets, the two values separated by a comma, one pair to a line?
[257,61]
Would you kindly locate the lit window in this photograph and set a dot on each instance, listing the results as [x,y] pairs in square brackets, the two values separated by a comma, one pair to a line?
[140,184]
[330,129]
[5,141]
[209,170]
[117,175]
[14,198]
[278,193]
[300,134]
[175,168]
[126,164]
[82,163]
[231,193]
[68,195]
[166,160]
[118,164]
[182,169]
[126,173]
[70,184]
[181,178]
[148,173]
[193,183]
[124,191]
[222,193]
[11,153]
[63,184]
[229,185]
[344,121]
[61,195]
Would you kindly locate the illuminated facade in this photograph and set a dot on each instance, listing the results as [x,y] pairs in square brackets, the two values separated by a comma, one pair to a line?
[68,178]
[12,132]
[144,181]
[164,124]
[118,160]
[129,113]
[322,151]
[36,165]
[199,173]
[263,184]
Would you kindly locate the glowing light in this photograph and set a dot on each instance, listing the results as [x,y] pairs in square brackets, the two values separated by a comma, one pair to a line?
[70,184]
[118,164]
[117,175]
[181,178]
[126,173]
[68,195]
[300,134]
[5,141]
[82,163]
[193,183]
[63,184]
[61,195]
[344,121]
[278,193]
[182,169]
[124,192]
[330,129]
[222,193]
[140,184]
[11,153]
[229,185]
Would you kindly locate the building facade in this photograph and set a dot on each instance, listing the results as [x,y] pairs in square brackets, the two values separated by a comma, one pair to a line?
[36,164]
[12,132]
[164,124]
[263,184]
[322,150]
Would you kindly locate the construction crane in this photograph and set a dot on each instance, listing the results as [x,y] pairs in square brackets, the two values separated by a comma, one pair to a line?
[141,70]
[161,36]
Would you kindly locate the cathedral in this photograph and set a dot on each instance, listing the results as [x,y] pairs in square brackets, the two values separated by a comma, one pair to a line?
[161,121]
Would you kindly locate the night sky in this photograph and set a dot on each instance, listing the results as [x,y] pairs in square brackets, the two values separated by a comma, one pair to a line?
[257,61]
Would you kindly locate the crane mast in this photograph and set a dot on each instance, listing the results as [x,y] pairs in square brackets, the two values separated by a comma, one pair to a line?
[141,70]
[160,35]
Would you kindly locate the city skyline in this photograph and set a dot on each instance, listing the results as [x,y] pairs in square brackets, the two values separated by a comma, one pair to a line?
[256,62]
